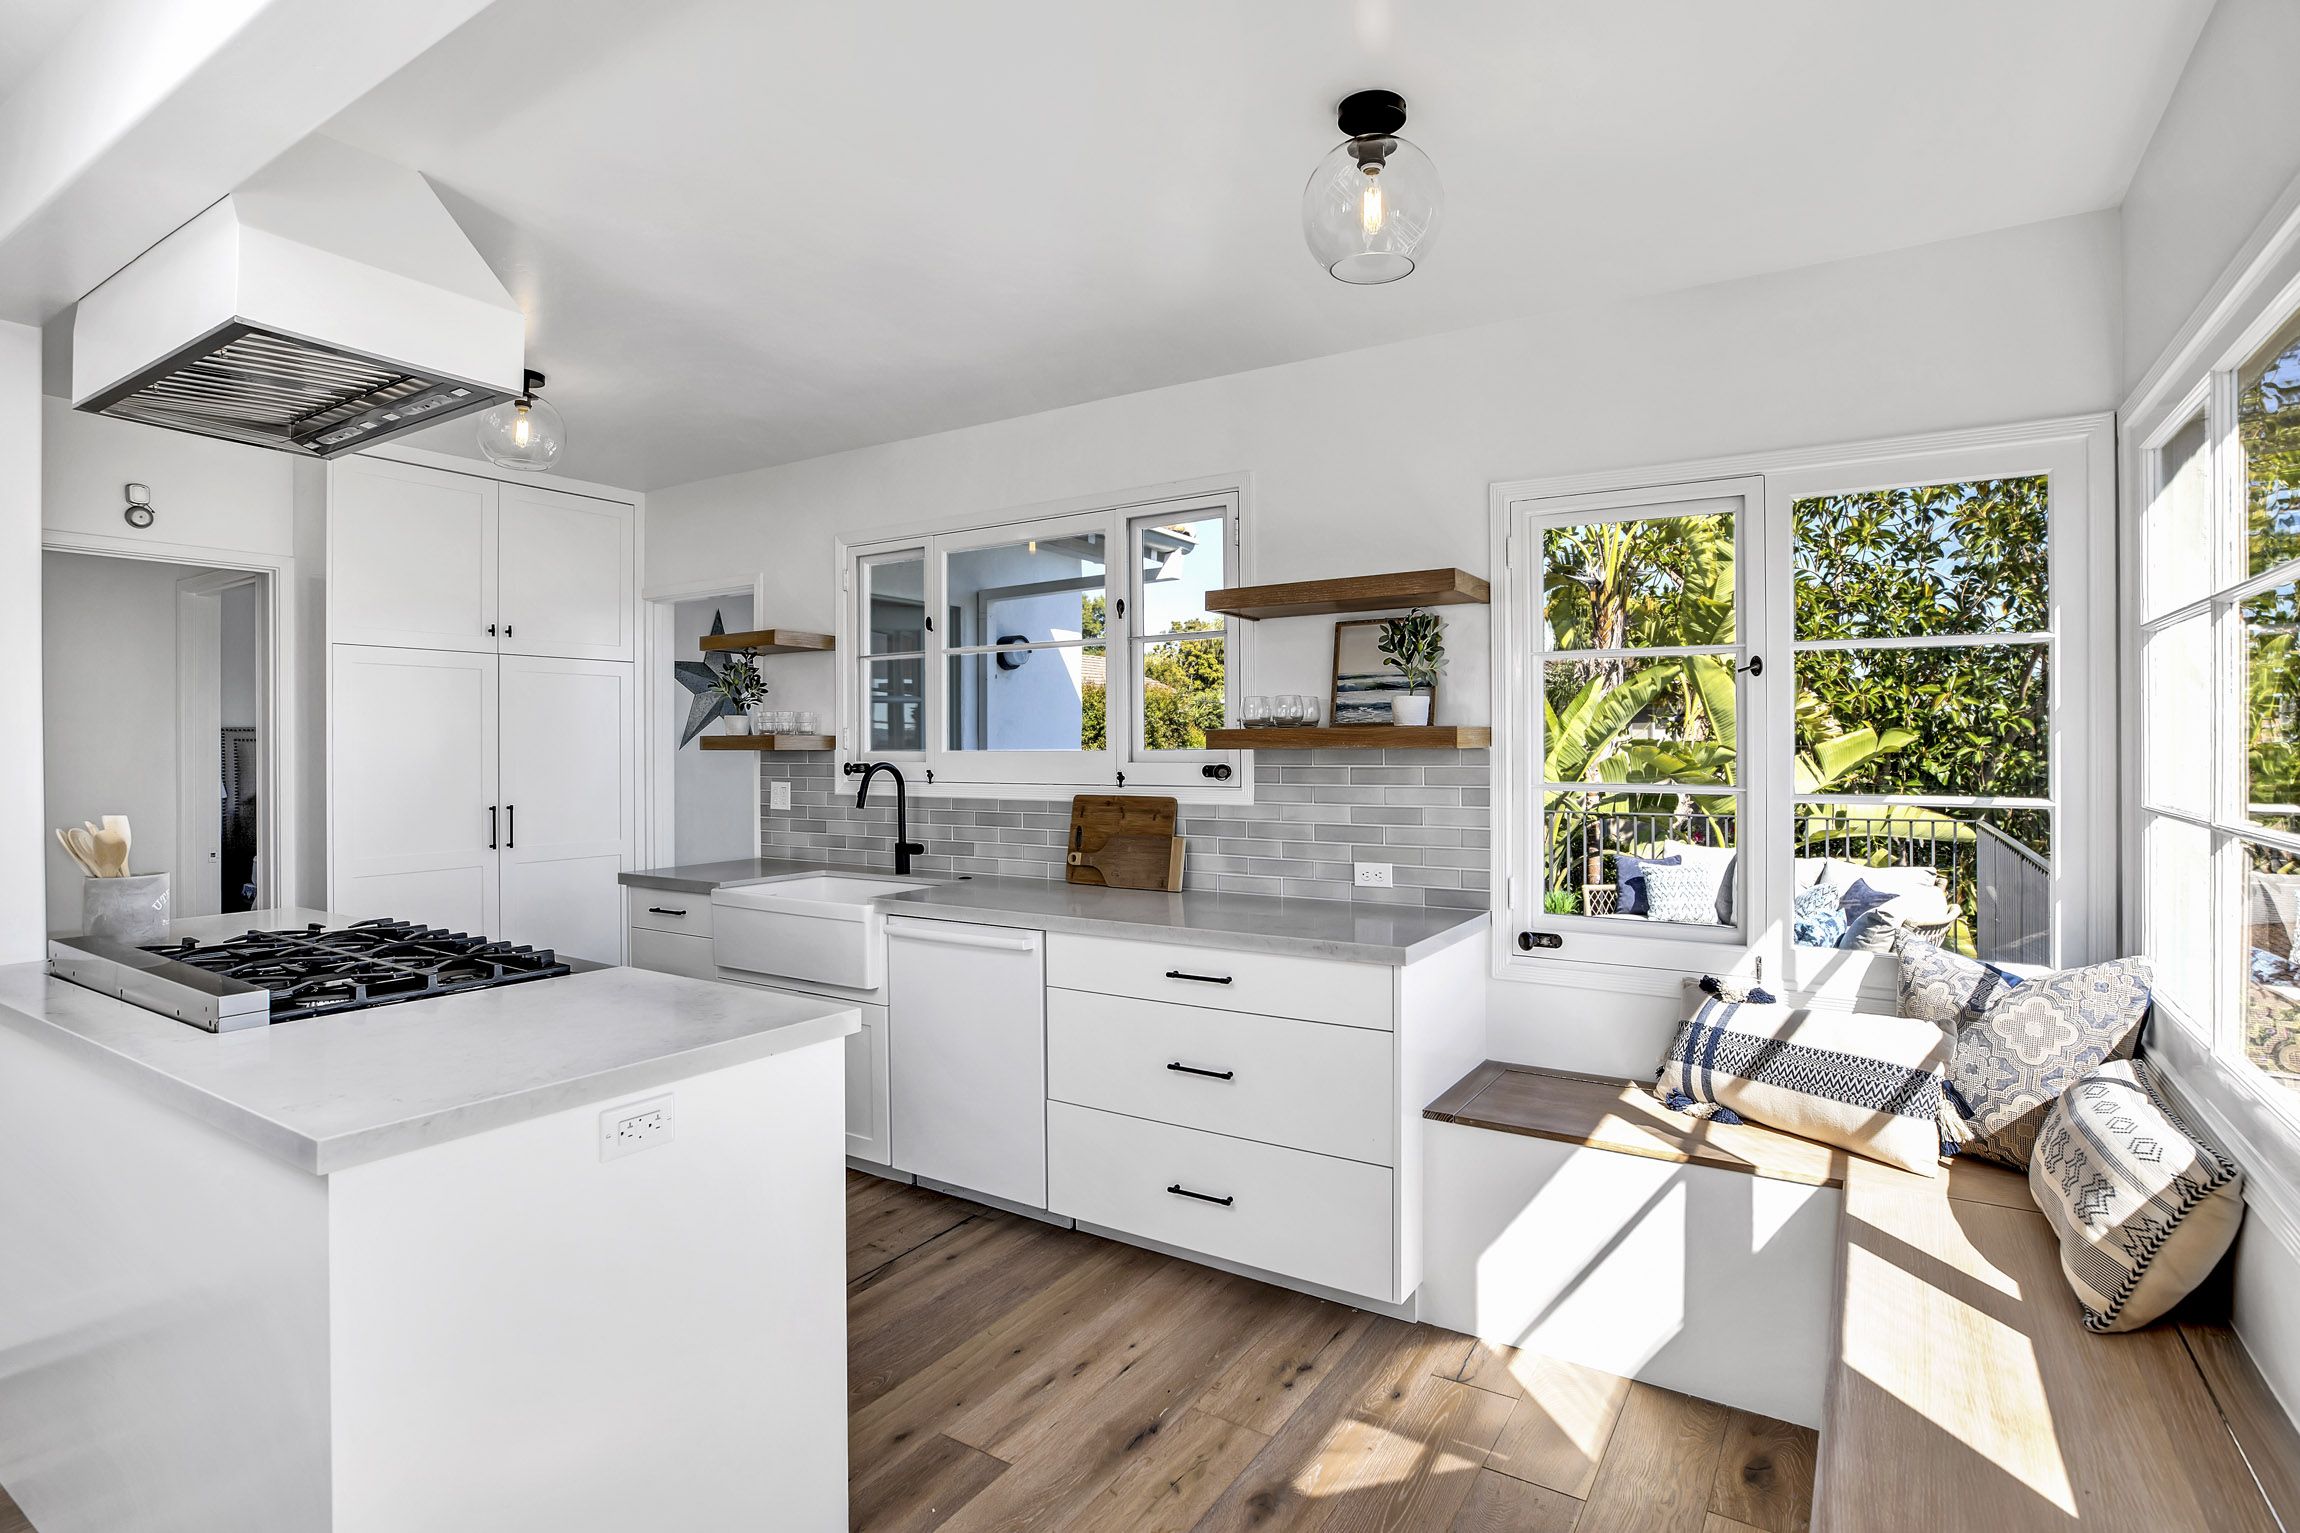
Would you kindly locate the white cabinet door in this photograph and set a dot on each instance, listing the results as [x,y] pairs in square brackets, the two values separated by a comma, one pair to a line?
[966,1055]
[410,556]
[412,806]
[564,568]
[568,815]
[867,1088]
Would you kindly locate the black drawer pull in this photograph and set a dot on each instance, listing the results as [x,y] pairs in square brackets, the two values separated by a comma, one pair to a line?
[658,910]
[1181,1191]
[1212,1075]
[1203,979]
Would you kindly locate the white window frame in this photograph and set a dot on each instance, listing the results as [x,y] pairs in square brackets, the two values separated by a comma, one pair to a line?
[2255,1118]
[2078,453]
[1123,764]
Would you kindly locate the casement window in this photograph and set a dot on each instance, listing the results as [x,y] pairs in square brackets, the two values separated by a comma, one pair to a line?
[1056,651]
[2219,701]
[1742,711]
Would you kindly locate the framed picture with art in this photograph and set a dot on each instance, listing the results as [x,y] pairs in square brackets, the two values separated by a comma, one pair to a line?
[1364,684]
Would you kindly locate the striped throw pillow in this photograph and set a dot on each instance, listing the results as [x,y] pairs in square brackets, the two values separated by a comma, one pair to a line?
[1868,1084]
[2144,1206]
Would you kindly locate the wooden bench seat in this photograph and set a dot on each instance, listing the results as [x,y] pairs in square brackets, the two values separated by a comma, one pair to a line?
[1963,1390]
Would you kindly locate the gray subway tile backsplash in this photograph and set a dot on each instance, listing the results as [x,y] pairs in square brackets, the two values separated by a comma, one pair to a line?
[1426,813]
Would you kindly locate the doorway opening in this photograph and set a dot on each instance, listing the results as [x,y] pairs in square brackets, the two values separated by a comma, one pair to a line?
[155,689]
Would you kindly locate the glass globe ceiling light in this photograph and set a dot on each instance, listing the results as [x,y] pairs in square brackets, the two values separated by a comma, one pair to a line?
[523,433]
[1372,205]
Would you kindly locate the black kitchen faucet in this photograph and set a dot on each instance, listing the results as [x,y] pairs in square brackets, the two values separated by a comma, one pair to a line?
[904,846]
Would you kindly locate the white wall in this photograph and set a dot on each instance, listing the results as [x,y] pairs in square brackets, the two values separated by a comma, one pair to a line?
[1381,459]
[206,493]
[242,654]
[108,669]
[23,920]
[2222,155]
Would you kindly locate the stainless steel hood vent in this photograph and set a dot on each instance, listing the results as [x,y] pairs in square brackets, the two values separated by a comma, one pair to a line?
[329,304]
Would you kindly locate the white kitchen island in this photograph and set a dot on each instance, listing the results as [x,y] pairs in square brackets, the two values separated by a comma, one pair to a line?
[379,1272]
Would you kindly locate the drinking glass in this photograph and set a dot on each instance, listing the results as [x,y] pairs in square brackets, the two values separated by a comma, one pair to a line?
[1288,708]
[1256,712]
[1310,704]
[810,723]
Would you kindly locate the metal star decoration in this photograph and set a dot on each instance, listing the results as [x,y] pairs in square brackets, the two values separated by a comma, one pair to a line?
[701,677]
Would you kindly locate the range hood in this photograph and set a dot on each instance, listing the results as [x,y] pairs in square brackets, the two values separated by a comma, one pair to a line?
[329,304]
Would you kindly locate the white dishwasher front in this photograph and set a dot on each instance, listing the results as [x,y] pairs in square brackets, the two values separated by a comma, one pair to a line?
[966,1055]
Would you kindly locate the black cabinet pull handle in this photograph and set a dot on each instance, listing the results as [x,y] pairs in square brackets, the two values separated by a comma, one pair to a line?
[507,630]
[491,630]
[659,910]
[1203,979]
[1181,1191]
[510,826]
[1212,1075]
[492,838]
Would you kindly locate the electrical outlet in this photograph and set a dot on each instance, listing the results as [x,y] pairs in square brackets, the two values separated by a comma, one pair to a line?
[635,1126]
[1373,875]
[778,795]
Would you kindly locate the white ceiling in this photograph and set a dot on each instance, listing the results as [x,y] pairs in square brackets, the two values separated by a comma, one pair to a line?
[29,29]
[747,233]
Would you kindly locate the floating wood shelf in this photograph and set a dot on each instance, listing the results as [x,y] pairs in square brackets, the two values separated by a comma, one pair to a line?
[771,641]
[769,742]
[1355,593]
[1353,737]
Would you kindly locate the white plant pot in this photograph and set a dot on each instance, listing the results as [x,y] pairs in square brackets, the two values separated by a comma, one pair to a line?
[1414,712]
[737,724]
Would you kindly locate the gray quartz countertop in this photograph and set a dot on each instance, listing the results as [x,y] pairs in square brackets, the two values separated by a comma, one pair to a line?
[329,1093]
[1359,931]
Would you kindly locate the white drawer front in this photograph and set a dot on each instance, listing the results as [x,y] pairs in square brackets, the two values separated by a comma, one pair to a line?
[1311,1217]
[1306,1085]
[667,910]
[672,954]
[1275,984]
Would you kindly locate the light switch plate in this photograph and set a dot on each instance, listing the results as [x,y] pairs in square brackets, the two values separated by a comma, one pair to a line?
[634,1126]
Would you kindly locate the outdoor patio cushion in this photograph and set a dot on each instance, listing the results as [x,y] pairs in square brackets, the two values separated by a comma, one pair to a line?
[1718,862]
[2018,1047]
[1629,881]
[1864,1083]
[1817,916]
[2143,1205]
[1681,893]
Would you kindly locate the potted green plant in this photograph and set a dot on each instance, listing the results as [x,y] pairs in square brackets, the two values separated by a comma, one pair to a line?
[743,688]
[1414,647]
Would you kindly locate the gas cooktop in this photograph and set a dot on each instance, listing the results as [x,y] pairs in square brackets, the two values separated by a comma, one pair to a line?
[287,975]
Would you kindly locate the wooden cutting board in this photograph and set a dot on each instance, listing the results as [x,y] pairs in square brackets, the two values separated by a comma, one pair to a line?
[1132,862]
[1152,859]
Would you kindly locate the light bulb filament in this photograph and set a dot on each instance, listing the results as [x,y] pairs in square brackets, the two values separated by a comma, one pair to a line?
[520,427]
[1370,205]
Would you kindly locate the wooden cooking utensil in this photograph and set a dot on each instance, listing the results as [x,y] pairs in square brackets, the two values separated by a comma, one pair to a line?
[111,848]
[72,848]
[119,823]
[1134,862]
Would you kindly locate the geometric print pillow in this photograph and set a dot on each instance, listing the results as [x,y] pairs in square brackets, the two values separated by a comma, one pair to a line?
[2144,1206]
[2026,1044]
[1940,986]
[1679,894]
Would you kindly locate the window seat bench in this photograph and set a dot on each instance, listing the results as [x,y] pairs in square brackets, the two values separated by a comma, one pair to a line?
[1958,1387]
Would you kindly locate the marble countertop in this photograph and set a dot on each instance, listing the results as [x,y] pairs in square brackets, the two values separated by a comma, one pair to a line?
[329,1093]
[1362,932]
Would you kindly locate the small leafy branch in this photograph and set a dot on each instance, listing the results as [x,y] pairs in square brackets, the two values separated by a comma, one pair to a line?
[1414,646]
[740,682]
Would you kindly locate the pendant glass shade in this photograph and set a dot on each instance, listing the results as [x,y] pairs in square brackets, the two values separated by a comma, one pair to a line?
[1371,208]
[523,433]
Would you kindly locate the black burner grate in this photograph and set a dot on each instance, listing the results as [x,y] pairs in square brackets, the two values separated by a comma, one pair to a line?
[318,970]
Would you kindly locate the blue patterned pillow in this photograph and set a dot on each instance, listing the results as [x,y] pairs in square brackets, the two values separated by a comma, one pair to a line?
[1818,916]
[2020,1045]
[1629,880]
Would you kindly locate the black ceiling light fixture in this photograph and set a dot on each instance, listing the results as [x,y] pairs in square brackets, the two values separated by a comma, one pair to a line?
[1372,205]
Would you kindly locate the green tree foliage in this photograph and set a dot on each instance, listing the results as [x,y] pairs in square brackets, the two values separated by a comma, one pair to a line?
[2268,435]
[1183,683]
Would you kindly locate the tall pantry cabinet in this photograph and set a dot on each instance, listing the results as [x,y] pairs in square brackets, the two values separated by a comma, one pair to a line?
[482,705]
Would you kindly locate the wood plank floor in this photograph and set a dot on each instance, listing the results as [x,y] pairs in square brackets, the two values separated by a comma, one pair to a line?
[1004,1374]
